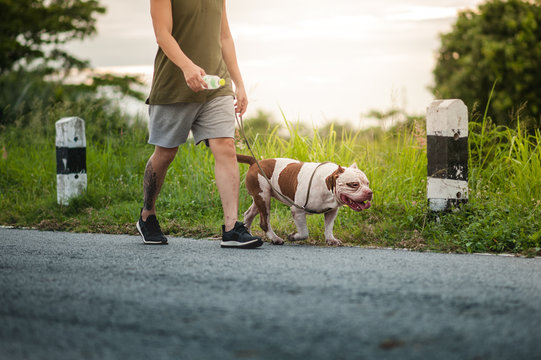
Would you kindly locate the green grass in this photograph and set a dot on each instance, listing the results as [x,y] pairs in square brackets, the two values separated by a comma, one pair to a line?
[503,214]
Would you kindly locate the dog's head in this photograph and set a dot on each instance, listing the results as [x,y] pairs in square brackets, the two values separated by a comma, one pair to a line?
[350,186]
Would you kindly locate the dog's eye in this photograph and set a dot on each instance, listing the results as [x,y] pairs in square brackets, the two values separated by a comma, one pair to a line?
[353,185]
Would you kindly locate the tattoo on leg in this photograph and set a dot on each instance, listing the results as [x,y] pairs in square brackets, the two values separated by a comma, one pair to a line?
[150,187]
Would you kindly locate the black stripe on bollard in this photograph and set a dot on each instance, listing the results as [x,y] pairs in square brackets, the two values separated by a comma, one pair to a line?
[70,160]
[447,154]
[447,157]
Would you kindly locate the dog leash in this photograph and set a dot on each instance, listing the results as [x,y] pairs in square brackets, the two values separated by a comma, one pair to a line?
[240,123]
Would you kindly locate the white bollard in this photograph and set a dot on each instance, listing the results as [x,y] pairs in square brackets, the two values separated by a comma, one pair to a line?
[447,152]
[71,177]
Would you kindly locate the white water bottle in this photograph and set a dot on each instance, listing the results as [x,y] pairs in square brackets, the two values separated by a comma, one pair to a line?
[213,82]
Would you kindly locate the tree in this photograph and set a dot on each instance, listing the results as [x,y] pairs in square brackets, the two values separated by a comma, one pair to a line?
[32,32]
[500,43]
[36,29]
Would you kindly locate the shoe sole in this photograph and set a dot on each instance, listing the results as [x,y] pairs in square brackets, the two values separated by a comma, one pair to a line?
[148,242]
[242,245]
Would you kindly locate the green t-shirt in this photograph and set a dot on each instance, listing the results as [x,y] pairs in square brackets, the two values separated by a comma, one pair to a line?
[197,29]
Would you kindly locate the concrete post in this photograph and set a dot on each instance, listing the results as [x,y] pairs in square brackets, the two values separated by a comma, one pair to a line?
[71,177]
[447,152]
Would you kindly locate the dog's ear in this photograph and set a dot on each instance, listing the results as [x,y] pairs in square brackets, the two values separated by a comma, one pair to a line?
[331,179]
[354,166]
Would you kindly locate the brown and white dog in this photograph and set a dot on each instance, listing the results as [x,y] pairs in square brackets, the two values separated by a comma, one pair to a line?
[332,186]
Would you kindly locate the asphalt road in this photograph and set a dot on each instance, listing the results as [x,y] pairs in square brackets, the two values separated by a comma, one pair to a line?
[91,296]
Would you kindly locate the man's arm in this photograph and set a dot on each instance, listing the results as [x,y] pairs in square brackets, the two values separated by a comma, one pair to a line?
[230,57]
[162,21]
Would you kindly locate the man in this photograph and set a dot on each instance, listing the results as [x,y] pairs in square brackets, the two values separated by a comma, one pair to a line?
[194,37]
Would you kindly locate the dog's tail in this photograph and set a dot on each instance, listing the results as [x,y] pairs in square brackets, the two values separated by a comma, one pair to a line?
[245,159]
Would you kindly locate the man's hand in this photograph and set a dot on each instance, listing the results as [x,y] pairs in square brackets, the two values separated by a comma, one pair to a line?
[194,77]
[241,103]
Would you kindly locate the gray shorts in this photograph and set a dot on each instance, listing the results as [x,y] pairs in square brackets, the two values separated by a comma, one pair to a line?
[170,124]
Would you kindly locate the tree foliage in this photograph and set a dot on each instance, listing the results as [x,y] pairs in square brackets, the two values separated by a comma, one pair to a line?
[260,125]
[36,29]
[34,65]
[23,92]
[499,43]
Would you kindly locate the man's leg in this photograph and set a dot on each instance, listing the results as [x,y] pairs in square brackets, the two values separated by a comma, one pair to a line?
[155,172]
[226,172]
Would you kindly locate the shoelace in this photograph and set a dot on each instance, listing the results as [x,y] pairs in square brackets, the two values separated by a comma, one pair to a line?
[242,228]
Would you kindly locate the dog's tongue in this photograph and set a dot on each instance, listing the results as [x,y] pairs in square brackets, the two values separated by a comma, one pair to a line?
[357,206]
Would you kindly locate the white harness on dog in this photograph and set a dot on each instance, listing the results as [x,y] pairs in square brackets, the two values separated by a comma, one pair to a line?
[288,200]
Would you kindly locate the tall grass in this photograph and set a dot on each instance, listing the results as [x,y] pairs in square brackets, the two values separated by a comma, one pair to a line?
[503,214]
[397,163]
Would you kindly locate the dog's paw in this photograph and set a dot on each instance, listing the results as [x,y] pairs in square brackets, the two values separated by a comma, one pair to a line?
[296,237]
[333,242]
[276,240]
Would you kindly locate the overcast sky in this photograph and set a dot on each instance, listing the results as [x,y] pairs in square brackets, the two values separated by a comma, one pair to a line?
[317,60]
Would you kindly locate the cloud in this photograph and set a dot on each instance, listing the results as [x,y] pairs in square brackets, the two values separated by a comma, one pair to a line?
[297,53]
[340,24]
[423,13]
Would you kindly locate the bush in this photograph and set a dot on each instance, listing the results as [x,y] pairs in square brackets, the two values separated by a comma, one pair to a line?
[499,42]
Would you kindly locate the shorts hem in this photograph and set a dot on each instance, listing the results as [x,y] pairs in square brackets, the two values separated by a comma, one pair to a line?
[207,138]
[167,146]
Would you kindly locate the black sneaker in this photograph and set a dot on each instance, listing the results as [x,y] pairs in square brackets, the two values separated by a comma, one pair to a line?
[239,237]
[150,231]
